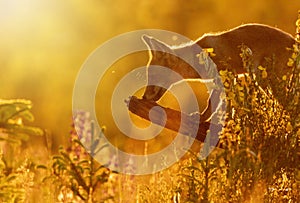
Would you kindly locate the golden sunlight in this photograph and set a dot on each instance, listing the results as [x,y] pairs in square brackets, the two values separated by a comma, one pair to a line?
[48,154]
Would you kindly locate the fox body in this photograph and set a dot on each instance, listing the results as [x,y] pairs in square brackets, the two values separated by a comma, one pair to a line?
[263,41]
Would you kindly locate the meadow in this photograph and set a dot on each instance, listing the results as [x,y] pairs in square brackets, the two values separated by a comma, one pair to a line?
[42,158]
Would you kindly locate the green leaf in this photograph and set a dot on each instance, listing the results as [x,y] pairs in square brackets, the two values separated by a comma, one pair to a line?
[78,142]
[58,158]
[10,109]
[62,167]
[20,131]
[79,168]
[83,162]
[41,167]
[18,136]
[11,177]
[27,116]
[10,140]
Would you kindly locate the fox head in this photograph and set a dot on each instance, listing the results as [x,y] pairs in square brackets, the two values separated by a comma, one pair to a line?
[182,60]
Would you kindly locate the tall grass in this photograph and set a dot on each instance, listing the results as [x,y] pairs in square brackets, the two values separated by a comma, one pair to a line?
[259,161]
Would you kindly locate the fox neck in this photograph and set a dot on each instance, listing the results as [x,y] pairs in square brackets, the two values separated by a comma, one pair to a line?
[197,64]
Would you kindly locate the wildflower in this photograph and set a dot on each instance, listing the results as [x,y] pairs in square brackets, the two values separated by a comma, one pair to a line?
[130,166]
[264,74]
[82,126]
[298,23]
[210,52]
[237,128]
[240,87]
[261,68]
[231,96]
[290,63]
[226,84]
[298,132]
[223,72]
[294,55]
[242,96]
[289,127]
[296,50]
[284,78]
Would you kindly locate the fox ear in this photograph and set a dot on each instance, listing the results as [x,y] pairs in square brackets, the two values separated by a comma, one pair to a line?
[157,48]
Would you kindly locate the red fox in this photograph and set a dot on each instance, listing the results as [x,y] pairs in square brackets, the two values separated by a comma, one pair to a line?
[263,41]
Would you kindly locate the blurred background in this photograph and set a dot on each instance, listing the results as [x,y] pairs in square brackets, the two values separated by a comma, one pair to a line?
[43,43]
